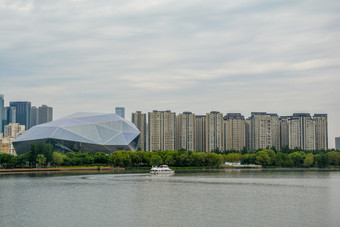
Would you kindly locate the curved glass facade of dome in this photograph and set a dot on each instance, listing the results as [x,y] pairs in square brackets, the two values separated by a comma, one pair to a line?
[85,132]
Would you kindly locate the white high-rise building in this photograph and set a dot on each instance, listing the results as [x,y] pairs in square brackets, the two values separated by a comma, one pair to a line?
[301,131]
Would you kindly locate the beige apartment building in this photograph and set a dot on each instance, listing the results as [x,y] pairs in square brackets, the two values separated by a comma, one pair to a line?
[264,131]
[13,130]
[301,131]
[234,126]
[161,130]
[200,133]
[321,131]
[139,119]
[185,131]
[214,131]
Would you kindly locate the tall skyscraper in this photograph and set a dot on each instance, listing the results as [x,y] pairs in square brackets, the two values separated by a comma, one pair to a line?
[161,129]
[214,131]
[139,119]
[34,116]
[186,129]
[264,131]
[234,131]
[200,133]
[337,143]
[23,113]
[45,114]
[301,131]
[120,111]
[321,131]
[2,106]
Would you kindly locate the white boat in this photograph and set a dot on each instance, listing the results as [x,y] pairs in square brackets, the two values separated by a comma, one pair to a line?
[161,170]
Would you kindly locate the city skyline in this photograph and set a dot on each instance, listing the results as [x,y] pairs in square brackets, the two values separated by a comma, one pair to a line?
[197,56]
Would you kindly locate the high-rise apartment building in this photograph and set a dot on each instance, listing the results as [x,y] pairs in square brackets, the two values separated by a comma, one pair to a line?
[214,131]
[284,132]
[185,130]
[337,143]
[264,131]
[2,106]
[34,116]
[301,131]
[321,131]
[200,133]
[45,114]
[234,132]
[162,126]
[247,132]
[139,119]
[120,111]
[23,113]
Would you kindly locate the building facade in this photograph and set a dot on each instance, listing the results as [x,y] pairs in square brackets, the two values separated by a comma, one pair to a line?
[284,131]
[214,131]
[161,130]
[34,116]
[45,114]
[139,119]
[186,130]
[321,131]
[13,130]
[120,111]
[301,131]
[200,133]
[264,131]
[234,132]
[23,113]
[337,143]
[2,106]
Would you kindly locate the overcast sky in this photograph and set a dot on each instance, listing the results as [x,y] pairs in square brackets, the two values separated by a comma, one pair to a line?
[193,55]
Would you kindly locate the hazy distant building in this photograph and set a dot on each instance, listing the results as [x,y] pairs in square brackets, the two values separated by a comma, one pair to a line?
[23,113]
[34,116]
[186,129]
[234,132]
[284,131]
[45,114]
[139,119]
[2,106]
[321,131]
[162,126]
[13,130]
[264,130]
[120,111]
[200,133]
[214,131]
[301,131]
[248,133]
[337,143]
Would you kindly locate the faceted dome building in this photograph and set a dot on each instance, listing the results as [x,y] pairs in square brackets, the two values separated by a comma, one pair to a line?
[85,132]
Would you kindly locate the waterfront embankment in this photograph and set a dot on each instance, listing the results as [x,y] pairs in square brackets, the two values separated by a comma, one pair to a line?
[92,168]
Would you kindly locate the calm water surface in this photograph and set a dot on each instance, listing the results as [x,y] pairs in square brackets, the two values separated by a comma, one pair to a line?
[211,198]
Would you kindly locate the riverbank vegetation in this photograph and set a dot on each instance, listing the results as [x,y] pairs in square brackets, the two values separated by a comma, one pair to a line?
[43,155]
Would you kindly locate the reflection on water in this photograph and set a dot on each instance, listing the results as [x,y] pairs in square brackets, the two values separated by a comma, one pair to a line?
[187,198]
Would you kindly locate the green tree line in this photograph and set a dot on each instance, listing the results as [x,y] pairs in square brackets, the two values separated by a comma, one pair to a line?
[42,155]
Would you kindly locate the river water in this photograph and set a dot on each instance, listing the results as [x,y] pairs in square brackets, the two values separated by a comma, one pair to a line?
[198,198]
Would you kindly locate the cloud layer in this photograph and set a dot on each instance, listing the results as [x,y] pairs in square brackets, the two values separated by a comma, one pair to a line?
[231,56]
